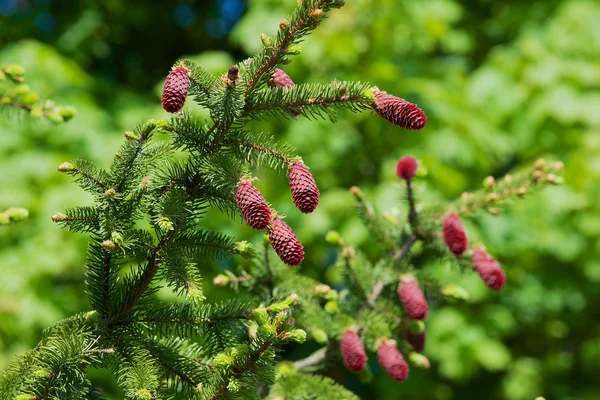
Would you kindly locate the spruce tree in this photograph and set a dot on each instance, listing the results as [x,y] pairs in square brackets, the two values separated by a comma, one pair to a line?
[146,231]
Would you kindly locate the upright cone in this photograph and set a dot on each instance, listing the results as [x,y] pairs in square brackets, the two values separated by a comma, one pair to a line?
[175,89]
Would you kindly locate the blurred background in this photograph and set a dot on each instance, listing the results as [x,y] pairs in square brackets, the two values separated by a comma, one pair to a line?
[502,83]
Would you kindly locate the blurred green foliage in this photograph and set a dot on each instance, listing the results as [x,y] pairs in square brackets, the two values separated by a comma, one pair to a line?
[502,84]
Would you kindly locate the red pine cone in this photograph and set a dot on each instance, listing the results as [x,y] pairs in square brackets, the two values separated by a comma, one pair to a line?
[252,204]
[407,168]
[399,111]
[416,340]
[353,351]
[280,79]
[392,361]
[175,89]
[489,269]
[285,243]
[304,189]
[412,298]
[454,235]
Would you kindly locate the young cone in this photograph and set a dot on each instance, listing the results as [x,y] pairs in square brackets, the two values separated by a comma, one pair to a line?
[285,243]
[252,205]
[392,361]
[407,168]
[489,269]
[175,89]
[304,189]
[280,79]
[412,298]
[353,351]
[454,235]
[399,111]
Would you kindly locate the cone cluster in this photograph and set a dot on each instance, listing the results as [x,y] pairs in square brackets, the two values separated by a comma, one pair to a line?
[399,111]
[175,89]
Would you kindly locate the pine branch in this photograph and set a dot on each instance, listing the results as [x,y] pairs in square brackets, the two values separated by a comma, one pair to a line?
[316,100]
[301,22]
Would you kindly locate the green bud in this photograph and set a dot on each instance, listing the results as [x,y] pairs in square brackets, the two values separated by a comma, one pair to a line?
[244,248]
[149,126]
[322,290]
[55,117]
[48,104]
[331,306]
[285,369]
[2,75]
[4,218]
[283,316]
[42,373]
[419,360]
[260,315]
[5,100]
[489,182]
[240,352]
[416,326]
[162,125]
[234,385]
[252,329]
[36,112]
[317,14]
[332,295]
[319,335]
[222,360]
[109,245]
[25,397]
[333,237]
[285,61]
[337,3]
[17,213]
[294,49]
[67,167]
[92,316]
[143,394]
[116,237]
[296,335]
[68,112]
[266,41]
[59,217]
[131,136]
[368,95]
[22,89]
[30,98]
[455,292]
[110,193]
[14,71]
[165,224]
[221,280]
[284,24]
